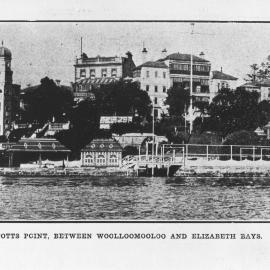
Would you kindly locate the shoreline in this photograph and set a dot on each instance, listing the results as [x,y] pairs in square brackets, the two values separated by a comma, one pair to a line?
[187,171]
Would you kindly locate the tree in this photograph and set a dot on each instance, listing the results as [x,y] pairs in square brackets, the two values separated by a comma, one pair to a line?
[242,137]
[46,101]
[178,100]
[264,109]
[235,110]
[84,126]
[123,98]
[259,72]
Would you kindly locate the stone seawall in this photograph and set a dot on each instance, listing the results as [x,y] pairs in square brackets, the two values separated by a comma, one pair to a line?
[214,171]
[45,172]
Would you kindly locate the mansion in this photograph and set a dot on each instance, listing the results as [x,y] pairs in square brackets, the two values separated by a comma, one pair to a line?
[155,77]
[94,71]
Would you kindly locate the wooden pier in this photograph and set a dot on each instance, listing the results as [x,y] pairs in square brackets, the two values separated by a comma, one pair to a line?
[168,158]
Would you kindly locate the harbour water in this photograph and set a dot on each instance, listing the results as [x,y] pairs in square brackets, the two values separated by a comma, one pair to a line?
[123,198]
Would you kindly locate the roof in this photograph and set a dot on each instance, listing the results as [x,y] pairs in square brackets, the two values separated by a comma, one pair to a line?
[183,57]
[37,145]
[103,145]
[5,52]
[97,81]
[154,64]
[31,89]
[222,76]
[265,83]
[251,85]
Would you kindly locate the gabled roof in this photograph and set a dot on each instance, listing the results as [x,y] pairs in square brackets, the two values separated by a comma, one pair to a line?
[103,145]
[154,64]
[222,76]
[251,85]
[183,57]
[37,145]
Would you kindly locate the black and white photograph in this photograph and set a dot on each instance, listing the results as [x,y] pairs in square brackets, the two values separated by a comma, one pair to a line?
[118,120]
[134,135]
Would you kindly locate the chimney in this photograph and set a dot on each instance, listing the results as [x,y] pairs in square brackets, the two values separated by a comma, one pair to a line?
[129,55]
[144,55]
[221,69]
[164,53]
[202,55]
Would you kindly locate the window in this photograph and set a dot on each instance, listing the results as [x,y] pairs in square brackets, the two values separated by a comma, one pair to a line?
[164,89]
[101,160]
[204,82]
[147,74]
[82,73]
[156,88]
[155,113]
[114,72]
[156,74]
[113,159]
[89,159]
[147,88]
[155,100]
[104,72]
[92,73]
[164,75]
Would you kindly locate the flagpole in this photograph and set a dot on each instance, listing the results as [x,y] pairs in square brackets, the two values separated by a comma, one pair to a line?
[191,84]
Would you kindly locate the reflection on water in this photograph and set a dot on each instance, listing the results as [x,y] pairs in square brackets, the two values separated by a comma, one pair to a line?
[106,198]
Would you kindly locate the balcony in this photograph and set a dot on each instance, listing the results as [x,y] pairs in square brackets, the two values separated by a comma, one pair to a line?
[187,72]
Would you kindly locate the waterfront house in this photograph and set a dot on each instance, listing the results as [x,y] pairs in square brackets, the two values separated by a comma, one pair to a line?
[102,153]
[220,80]
[35,149]
[155,80]
[92,72]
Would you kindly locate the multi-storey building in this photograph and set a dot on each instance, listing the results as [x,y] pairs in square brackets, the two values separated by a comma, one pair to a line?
[179,66]
[8,91]
[154,77]
[221,80]
[95,71]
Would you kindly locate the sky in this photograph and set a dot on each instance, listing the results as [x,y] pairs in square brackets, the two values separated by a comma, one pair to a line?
[42,49]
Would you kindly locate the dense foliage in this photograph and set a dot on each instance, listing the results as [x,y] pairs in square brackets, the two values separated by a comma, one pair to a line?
[178,100]
[84,119]
[123,98]
[231,111]
[46,101]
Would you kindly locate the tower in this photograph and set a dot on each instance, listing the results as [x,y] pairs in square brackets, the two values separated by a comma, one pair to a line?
[5,89]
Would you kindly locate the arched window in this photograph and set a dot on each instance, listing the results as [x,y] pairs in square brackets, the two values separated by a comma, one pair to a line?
[113,159]
[101,160]
[89,159]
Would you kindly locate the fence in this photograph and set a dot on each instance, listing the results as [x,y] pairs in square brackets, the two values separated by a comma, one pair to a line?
[224,152]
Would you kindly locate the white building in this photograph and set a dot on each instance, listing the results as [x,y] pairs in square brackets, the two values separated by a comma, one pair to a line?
[154,77]
[221,80]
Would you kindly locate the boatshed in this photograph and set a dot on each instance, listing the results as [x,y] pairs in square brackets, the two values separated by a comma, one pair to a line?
[102,153]
[35,149]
